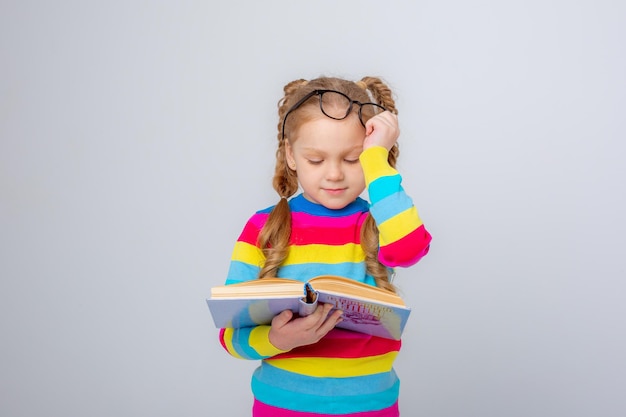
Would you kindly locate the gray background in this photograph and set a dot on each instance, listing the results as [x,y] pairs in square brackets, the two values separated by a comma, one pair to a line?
[137,138]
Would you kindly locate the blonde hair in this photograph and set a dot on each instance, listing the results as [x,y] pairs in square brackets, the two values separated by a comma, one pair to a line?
[274,237]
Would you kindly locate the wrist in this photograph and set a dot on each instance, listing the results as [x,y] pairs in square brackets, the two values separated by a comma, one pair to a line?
[375,163]
[265,344]
[277,343]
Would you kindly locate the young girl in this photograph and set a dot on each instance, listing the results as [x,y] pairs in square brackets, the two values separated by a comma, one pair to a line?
[336,138]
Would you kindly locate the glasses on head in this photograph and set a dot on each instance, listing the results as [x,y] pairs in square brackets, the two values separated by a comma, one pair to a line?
[338,106]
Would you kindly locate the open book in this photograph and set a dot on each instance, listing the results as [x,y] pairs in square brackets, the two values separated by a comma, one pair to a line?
[366,309]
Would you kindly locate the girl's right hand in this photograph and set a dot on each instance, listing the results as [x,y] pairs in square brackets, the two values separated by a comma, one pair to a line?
[288,333]
[381,130]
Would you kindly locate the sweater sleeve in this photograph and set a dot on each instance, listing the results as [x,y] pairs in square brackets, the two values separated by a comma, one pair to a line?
[248,342]
[403,239]
[247,258]
[246,261]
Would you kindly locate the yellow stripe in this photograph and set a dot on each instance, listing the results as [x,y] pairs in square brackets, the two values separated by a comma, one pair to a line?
[375,164]
[336,367]
[245,252]
[228,341]
[260,341]
[349,252]
[399,226]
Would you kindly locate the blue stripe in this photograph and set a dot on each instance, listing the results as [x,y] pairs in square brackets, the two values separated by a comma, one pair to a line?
[304,272]
[268,374]
[241,343]
[390,206]
[324,395]
[384,186]
[301,204]
[241,271]
[266,210]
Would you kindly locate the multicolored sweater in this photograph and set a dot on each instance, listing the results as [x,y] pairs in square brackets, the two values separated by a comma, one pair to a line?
[345,373]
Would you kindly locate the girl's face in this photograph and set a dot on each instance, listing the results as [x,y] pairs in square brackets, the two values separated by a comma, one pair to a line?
[325,155]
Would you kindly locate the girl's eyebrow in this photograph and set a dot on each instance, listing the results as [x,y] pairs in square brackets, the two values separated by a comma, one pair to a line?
[313,152]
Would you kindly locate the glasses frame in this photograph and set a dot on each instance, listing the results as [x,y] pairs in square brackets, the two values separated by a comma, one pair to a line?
[320,93]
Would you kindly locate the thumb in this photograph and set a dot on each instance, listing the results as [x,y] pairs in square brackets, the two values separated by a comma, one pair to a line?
[283,318]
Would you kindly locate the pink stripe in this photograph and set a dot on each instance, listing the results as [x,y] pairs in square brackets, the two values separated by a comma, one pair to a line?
[260,409]
[308,220]
[259,219]
[310,229]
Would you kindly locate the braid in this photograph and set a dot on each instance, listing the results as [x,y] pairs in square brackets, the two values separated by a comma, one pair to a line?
[369,243]
[381,92]
[382,95]
[285,102]
[274,237]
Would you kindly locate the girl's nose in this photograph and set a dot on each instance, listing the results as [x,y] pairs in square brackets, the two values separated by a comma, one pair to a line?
[334,172]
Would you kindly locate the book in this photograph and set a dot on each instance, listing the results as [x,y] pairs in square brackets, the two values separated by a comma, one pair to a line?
[366,309]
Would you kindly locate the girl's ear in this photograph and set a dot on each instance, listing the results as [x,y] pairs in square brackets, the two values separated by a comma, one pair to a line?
[289,157]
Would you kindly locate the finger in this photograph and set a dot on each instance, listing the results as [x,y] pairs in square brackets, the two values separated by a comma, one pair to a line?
[283,318]
[336,317]
[387,118]
[330,322]
[380,121]
[318,317]
[369,127]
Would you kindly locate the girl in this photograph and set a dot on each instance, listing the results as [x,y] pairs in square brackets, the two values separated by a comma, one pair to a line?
[336,138]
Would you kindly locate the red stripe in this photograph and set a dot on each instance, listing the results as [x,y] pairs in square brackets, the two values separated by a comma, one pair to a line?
[324,235]
[222,339]
[339,343]
[250,233]
[408,250]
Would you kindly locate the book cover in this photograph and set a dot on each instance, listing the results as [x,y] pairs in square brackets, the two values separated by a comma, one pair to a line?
[366,309]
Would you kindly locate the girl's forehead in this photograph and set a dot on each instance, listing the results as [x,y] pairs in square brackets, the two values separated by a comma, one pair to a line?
[323,123]
[327,135]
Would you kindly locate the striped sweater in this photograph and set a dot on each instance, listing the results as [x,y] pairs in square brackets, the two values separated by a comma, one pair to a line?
[345,373]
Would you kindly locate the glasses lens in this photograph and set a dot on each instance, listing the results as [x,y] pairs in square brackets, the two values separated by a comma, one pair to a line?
[335,105]
[369,110]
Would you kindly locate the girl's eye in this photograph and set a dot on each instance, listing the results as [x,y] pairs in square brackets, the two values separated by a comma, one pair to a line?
[352,161]
[315,161]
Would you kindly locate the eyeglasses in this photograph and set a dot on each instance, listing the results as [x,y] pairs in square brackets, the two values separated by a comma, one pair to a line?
[337,105]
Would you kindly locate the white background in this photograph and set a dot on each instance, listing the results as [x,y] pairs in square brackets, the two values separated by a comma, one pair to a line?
[138,137]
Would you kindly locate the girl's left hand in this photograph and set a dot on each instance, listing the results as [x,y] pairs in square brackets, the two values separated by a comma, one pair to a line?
[382,130]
